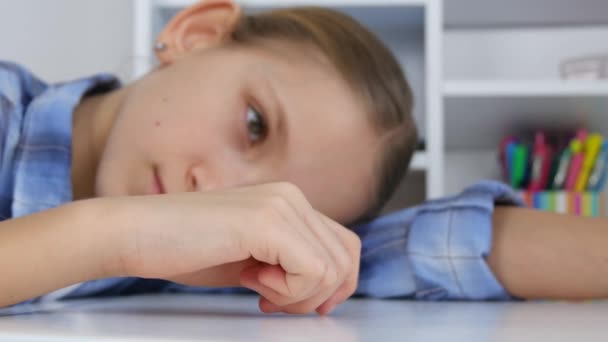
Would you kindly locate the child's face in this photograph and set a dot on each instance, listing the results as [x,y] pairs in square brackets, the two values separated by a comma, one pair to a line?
[234,116]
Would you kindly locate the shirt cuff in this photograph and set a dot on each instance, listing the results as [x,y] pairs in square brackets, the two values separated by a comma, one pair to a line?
[449,241]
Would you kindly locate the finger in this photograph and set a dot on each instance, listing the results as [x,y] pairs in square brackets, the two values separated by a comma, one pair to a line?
[327,307]
[329,237]
[307,306]
[322,302]
[249,275]
[291,243]
[310,265]
[337,298]
[250,279]
[302,261]
[257,278]
[325,234]
[312,219]
[353,245]
[329,297]
[267,306]
[344,264]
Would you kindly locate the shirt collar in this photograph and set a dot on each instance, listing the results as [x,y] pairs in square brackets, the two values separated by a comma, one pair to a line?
[44,155]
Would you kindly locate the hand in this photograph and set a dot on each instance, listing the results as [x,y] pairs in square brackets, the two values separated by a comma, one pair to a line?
[267,238]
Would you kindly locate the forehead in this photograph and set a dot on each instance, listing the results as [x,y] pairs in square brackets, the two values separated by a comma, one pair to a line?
[331,145]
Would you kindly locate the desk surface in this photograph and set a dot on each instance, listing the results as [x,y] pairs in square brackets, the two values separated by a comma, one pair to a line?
[236,318]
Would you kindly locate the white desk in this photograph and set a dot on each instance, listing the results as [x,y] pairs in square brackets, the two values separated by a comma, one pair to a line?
[236,318]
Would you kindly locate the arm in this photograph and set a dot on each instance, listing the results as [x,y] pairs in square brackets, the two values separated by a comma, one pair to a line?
[537,254]
[267,238]
[50,250]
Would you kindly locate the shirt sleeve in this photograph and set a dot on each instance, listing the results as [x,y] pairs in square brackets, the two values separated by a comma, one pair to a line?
[436,251]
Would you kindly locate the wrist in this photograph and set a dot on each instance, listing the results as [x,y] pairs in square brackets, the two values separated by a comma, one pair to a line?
[100,235]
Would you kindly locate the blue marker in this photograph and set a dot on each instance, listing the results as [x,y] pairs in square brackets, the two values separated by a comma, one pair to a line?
[510,150]
[598,176]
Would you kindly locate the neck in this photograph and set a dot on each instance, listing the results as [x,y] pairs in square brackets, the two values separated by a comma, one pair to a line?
[91,124]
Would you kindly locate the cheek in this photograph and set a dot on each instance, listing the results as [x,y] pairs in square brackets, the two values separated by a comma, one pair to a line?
[128,150]
[209,126]
[117,158]
[109,176]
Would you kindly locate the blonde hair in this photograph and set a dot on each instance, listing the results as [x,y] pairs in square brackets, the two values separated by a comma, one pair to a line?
[369,68]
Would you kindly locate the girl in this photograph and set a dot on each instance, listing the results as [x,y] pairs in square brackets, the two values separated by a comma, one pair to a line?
[238,162]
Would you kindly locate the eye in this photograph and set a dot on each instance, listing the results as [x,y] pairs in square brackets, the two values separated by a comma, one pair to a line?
[256,126]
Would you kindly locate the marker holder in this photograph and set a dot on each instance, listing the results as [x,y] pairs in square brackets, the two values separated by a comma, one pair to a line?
[590,204]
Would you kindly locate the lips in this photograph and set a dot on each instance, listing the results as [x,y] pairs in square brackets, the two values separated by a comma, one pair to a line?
[159,188]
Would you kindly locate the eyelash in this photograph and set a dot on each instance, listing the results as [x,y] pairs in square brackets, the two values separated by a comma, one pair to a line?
[262,124]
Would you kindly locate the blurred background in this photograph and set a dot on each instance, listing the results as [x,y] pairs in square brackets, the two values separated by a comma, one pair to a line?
[481,70]
[63,39]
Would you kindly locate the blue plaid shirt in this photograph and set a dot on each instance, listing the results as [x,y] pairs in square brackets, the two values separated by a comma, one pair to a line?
[435,251]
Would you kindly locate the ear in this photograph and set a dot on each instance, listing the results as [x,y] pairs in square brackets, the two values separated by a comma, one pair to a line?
[205,24]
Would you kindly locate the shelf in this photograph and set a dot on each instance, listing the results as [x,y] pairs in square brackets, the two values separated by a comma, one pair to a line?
[523,88]
[419,162]
[479,113]
[286,3]
[469,167]
[395,16]
[524,13]
[474,121]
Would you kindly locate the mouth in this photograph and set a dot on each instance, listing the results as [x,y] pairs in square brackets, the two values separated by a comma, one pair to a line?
[159,188]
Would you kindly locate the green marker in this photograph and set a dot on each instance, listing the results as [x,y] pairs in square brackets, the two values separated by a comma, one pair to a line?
[520,159]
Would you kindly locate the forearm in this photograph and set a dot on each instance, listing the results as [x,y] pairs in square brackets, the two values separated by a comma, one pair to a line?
[537,254]
[50,250]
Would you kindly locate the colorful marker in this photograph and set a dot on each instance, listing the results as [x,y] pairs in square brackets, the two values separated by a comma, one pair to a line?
[541,164]
[576,162]
[593,144]
[598,175]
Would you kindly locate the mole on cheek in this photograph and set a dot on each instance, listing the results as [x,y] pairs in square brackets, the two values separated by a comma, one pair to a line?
[164,100]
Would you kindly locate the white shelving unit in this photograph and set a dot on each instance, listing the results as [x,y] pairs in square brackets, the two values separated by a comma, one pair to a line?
[525,88]
[411,28]
[497,108]
[501,76]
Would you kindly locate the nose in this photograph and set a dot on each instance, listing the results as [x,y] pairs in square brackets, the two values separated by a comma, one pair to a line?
[202,177]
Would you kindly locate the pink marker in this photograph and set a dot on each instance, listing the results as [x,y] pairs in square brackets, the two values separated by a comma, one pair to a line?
[576,163]
[541,163]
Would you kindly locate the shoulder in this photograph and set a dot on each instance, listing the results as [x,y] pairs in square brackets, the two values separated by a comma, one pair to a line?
[18,87]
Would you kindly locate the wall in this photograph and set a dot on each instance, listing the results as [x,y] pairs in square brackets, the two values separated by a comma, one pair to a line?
[64,39]
[518,53]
